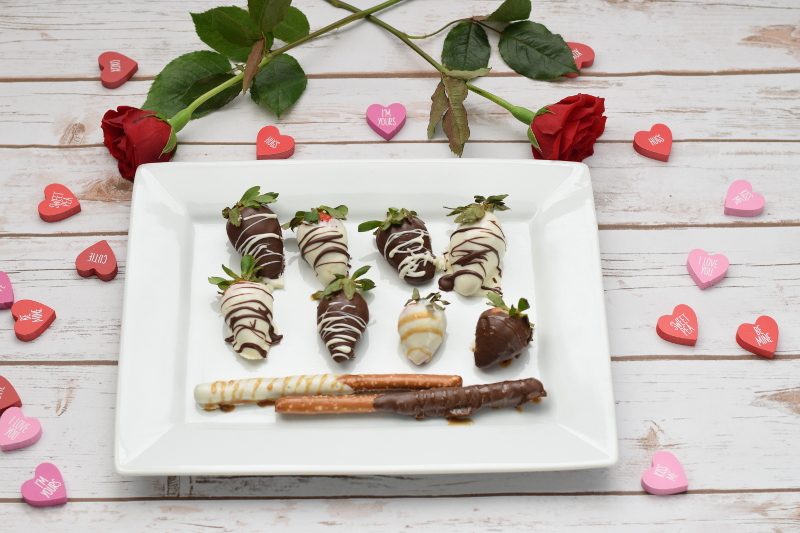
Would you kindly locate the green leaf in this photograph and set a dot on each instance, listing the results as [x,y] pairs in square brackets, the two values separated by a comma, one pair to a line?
[267,14]
[366,285]
[216,281]
[360,272]
[532,139]
[233,28]
[466,47]
[454,122]
[343,210]
[267,198]
[372,224]
[179,76]
[204,85]
[171,142]
[247,264]
[251,193]
[294,26]
[235,216]
[312,217]
[511,10]
[496,300]
[523,305]
[230,272]
[438,107]
[335,212]
[279,84]
[467,75]
[349,290]
[531,50]
[204,26]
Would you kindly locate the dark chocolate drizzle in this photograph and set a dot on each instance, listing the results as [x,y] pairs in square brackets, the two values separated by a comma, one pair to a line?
[344,322]
[499,337]
[256,236]
[249,312]
[463,258]
[317,237]
[401,238]
[460,401]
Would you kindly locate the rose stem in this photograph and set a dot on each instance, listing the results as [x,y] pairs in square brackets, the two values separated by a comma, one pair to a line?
[182,118]
[522,114]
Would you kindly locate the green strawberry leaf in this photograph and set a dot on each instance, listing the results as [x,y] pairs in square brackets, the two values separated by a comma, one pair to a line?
[235,216]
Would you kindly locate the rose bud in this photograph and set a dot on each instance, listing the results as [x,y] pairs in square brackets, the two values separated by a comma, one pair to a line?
[568,130]
[135,137]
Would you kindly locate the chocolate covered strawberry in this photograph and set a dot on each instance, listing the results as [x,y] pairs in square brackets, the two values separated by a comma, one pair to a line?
[322,240]
[476,249]
[247,308]
[502,332]
[422,325]
[342,314]
[405,243]
[253,229]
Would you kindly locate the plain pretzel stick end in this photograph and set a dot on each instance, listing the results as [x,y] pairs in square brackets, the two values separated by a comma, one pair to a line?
[325,405]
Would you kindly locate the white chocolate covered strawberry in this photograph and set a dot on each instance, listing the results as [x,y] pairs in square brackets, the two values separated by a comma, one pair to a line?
[322,240]
[422,325]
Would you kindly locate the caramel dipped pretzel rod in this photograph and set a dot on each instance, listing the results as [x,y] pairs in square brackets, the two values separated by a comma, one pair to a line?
[446,401]
[211,396]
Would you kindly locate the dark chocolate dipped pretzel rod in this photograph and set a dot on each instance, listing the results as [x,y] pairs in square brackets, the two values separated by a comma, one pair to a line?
[444,401]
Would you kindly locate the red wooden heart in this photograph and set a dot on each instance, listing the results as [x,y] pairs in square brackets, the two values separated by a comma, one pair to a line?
[32,318]
[583,56]
[270,144]
[99,260]
[115,69]
[59,203]
[655,144]
[760,338]
[8,396]
[680,327]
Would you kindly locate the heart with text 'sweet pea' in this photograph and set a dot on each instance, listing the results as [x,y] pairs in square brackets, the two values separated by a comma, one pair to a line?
[680,327]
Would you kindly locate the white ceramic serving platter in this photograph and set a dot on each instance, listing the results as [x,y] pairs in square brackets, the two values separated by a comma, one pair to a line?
[173,334]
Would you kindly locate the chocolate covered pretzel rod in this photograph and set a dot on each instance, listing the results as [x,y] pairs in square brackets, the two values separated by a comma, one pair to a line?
[265,391]
[445,401]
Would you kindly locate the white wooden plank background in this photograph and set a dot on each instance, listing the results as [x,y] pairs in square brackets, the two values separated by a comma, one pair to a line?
[724,76]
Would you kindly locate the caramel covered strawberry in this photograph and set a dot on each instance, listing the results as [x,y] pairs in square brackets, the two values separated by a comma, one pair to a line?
[502,332]
[422,325]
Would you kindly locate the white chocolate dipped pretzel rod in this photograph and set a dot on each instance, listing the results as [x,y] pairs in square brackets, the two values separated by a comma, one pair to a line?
[264,391]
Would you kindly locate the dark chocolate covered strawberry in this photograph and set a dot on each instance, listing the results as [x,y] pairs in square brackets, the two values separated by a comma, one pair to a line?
[502,332]
[405,243]
[342,314]
[253,229]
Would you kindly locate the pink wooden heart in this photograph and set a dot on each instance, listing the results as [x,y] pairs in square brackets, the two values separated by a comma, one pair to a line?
[46,488]
[270,144]
[741,201]
[760,338]
[59,203]
[6,291]
[8,395]
[32,318]
[115,69]
[655,144]
[706,270]
[98,259]
[386,121]
[583,56]
[666,475]
[16,431]
[680,327]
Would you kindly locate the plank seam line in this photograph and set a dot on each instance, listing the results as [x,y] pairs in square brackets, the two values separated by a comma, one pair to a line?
[731,224]
[410,141]
[88,362]
[433,74]
[407,496]
[67,234]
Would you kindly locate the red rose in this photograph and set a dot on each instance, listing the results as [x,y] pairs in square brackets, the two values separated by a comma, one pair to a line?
[568,133]
[135,137]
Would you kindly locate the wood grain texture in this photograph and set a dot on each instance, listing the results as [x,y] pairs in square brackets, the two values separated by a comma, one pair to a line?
[759,34]
[335,109]
[698,175]
[627,513]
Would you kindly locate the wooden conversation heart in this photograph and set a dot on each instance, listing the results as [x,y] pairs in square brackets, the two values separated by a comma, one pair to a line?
[32,318]
[741,201]
[6,291]
[583,56]
[760,338]
[655,144]
[59,203]
[270,144]
[46,488]
[386,121]
[8,395]
[706,270]
[666,476]
[16,431]
[115,69]
[98,259]
[680,327]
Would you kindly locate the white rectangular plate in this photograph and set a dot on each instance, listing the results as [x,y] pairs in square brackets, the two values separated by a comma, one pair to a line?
[172,332]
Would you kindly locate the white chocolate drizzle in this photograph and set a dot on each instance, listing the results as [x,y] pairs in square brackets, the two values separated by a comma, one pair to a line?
[410,266]
[335,330]
[211,395]
[257,244]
